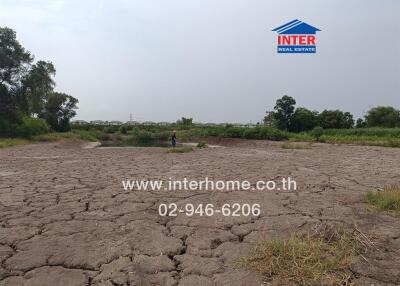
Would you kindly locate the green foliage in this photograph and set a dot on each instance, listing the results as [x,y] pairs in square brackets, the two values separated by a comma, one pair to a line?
[184,122]
[259,132]
[74,134]
[335,119]
[303,120]
[284,110]
[123,129]
[317,132]
[286,117]
[58,110]
[14,58]
[37,85]
[27,90]
[31,126]
[361,123]
[180,150]
[110,129]
[9,142]
[383,116]
[146,138]
[202,144]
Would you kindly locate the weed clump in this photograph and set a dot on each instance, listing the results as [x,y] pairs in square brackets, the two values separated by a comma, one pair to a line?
[180,150]
[321,257]
[202,144]
[387,199]
[291,145]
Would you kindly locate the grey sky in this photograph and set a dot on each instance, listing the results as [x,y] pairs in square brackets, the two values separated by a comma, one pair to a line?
[213,60]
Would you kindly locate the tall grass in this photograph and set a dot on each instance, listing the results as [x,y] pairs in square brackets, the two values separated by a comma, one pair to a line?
[8,142]
[321,258]
[387,199]
[237,132]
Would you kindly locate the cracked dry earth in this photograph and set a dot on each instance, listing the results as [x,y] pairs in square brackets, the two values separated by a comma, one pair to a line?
[65,219]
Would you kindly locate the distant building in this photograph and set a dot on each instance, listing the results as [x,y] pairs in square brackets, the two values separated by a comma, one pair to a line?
[237,125]
[79,122]
[115,122]
[131,122]
[250,125]
[163,123]
[98,122]
[149,123]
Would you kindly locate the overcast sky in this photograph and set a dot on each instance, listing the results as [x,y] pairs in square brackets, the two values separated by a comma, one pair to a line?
[213,60]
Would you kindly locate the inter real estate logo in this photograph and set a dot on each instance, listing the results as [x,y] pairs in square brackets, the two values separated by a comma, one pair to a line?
[296,37]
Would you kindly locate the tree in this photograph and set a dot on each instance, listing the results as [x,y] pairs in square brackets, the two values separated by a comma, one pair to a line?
[269,119]
[14,62]
[185,122]
[14,59]
[361,123]
[27,90]
[383,116]
[303,120]
[36,85]
[58,110]
[335,119]
[284,110]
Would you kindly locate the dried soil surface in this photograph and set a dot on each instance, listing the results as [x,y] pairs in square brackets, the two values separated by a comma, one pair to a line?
[66,220]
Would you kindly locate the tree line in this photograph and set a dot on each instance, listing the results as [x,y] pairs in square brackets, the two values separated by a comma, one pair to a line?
[286,116]
[29,105]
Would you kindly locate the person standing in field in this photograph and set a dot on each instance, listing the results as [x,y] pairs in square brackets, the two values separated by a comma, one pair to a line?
[173,139]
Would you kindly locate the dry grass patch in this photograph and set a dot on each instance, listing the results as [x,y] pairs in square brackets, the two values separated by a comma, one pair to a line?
[180,150]
[201,144]
[321,257]
[387,199]
[292,145]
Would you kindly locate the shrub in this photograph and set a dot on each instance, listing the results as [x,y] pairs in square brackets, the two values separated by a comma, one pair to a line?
[8,142]
[123,129]
[144,138]
[234,132]
[317,132]
[161,136]
[105,137]
[30,127]
[384,116]
[202,144]
[180,150]
[110,129]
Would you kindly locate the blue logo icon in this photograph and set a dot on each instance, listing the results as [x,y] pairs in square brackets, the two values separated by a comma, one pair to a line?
[296,37]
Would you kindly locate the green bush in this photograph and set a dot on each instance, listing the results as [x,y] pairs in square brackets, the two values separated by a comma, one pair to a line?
[123,129]
[110,129]
[202,144]
[161,136]
[105,137]
[180,150]
[317,132]
[30,127]
[234,132]
[144,138]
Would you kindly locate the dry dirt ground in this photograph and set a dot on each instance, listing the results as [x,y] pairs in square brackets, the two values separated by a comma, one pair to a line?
[65,219]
